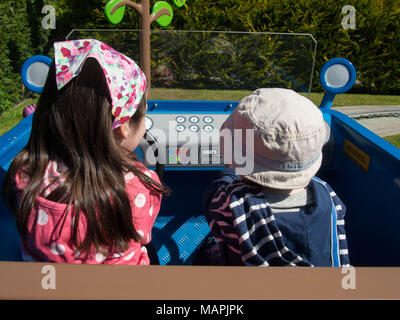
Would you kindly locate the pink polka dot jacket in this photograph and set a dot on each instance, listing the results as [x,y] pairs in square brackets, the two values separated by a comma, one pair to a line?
[45,243]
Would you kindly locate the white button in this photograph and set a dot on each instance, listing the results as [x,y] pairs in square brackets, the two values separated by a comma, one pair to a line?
[194,119]
[194,128]
[148,123]
[180,119]
[209,152]
[208,128]
[180,128]
[208,119]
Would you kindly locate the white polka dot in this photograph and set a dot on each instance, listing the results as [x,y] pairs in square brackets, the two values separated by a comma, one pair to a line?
[57,249]
[118,255]
[144,249]
[151,211]
[43,217]
[77,254]
[100,257]
[140,200]
[129,176]
[141,233]
[143,263]
[148,173]
[129,256]
[148,237]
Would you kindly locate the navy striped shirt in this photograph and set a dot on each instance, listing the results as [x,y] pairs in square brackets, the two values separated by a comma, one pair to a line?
[241,218]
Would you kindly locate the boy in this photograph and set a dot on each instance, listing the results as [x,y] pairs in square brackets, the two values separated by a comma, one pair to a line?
[280,214]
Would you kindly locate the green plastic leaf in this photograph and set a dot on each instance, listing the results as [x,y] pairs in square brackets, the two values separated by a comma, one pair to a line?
[164,20]
[117,16]
[179,3]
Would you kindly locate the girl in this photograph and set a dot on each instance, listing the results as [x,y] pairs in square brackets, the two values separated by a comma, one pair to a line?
[81,195]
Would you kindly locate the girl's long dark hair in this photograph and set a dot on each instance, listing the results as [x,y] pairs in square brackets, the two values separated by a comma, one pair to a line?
[74,124]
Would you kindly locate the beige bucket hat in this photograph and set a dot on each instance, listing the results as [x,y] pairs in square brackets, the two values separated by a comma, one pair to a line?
[289,133]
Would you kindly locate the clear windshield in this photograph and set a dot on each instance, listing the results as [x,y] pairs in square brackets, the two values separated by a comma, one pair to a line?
[215,63]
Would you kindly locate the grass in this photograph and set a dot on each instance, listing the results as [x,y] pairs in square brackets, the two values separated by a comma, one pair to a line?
[394,140]
[186,94]
[235,95]
[358,99]
[11,117]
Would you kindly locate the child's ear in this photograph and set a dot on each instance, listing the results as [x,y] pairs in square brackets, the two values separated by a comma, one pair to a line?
[122,131]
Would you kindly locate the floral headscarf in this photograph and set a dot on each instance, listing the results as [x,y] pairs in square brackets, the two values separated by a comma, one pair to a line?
[126,82]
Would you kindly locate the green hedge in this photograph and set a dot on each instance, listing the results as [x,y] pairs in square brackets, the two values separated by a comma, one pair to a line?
[21,37]
[231,61]
[13,49]
[373,47]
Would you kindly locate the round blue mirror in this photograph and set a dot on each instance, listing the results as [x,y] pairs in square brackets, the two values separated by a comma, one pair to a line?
[337,75]
[34,72]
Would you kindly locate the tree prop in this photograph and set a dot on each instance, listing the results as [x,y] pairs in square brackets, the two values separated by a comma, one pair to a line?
[162,13]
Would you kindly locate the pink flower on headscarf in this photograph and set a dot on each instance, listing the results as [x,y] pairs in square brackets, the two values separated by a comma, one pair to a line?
[124,64]
[65,52]
[127,74]
[86,47]
[108,58]
[117,112]
[131,98]
[126,82]
[142,87]
[104,47]
[74,51]
[67,76]
[115,92]
[124,119]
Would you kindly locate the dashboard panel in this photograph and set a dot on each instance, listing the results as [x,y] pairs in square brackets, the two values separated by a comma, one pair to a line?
[187,134]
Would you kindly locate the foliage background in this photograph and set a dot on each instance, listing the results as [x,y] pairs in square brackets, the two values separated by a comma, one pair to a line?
[373,47]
